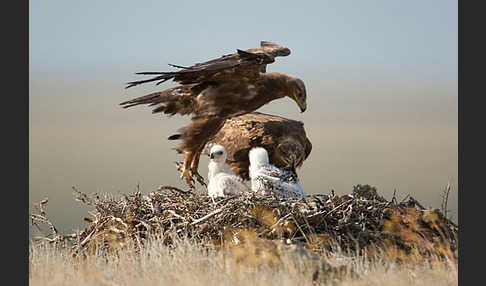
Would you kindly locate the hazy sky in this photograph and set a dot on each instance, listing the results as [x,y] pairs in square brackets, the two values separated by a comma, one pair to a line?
[406,40]
[381,80]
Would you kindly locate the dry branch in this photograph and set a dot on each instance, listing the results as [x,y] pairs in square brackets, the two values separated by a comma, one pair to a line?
[321,222]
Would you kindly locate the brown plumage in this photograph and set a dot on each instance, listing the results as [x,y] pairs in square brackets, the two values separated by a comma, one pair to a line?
[216,90]
[226,68]
[284,139]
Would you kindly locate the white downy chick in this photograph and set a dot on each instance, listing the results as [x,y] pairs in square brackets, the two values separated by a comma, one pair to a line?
[268,178]
[222,181]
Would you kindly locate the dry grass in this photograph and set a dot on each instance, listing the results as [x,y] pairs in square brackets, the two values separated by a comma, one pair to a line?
[189,263]
[181,238]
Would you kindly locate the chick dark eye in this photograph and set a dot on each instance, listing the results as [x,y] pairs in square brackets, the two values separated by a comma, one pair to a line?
[219,153]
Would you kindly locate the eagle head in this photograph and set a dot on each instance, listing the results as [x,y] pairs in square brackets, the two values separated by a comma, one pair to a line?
[298,93]
[289,153]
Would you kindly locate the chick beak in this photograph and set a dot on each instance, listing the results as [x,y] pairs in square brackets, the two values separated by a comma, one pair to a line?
[211,156]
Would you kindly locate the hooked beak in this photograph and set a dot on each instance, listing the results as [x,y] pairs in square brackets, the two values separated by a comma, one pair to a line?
[292,163]
[302,104]
[292,166]
[303,107]
[291,160]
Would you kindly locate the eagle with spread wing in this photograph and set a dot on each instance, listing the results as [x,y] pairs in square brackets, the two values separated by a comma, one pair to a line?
[284,139]
[216,90]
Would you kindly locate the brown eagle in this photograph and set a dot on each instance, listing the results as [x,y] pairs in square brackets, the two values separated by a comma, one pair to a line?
[216,90]
[284,139]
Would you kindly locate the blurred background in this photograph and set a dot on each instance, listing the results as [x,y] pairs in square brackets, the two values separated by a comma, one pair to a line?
[381,79]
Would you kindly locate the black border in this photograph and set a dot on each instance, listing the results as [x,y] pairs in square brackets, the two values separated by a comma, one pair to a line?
[15,135]
[471,143]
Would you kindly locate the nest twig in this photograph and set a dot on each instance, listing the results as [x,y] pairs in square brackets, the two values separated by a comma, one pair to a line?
[353,221]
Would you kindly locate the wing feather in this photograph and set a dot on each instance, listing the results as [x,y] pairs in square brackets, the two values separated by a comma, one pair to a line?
[232,67]
[177,100]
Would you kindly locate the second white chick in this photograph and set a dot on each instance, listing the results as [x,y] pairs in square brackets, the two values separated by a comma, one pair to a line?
[266,178]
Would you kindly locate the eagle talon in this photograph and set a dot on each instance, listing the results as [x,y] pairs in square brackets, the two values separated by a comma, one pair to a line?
[199,178]
[179,166]
[186,175]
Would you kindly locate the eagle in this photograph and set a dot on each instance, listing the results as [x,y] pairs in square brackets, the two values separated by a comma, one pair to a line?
[222,181]
[215,90]
[266,178]
[284,139]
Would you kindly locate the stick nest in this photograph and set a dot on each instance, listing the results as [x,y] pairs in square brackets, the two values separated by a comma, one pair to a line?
[360,221]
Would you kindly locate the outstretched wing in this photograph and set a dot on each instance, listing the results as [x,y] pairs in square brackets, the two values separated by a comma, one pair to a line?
[242,64]
[272,49]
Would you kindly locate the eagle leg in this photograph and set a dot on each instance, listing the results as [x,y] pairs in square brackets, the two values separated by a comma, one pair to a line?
[194,166]
[179,166]
[199,178]
[185,170]
[189,180]
[194,139]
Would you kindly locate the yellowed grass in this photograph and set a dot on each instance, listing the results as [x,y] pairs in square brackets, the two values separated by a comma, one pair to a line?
[264,263]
